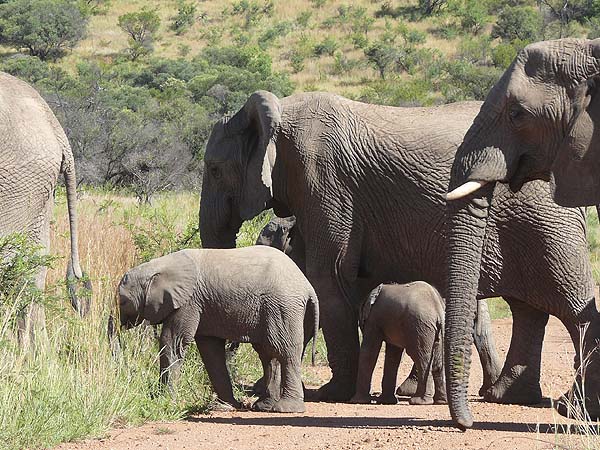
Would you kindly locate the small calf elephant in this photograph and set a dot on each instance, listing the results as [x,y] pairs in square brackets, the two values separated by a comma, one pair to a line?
[253,294]
[407,317]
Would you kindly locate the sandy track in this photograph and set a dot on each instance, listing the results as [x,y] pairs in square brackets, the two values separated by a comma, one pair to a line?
[342,426]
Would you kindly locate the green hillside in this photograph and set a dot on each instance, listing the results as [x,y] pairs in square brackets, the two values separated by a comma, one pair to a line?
[138,85]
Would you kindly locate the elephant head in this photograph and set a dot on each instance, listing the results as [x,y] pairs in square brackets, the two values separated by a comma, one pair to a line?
[539,121]
[239,159]
[153,290]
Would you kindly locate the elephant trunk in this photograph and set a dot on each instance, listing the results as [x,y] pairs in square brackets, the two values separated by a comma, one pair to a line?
[217,229]
[467,220]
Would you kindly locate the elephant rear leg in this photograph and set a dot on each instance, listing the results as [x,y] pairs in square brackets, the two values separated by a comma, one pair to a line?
[425,389]
[271,381]
[212,351]
[393,356]
[292,392]
[519,381]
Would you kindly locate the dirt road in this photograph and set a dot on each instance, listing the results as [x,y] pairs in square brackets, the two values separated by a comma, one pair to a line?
[341,426]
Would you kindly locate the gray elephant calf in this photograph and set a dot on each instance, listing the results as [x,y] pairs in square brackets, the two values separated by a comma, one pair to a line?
[407,317]
[253,294]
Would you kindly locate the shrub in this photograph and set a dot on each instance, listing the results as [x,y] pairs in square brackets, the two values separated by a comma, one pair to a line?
[327,46]
[466,81]
[20,262]
[46,28]
[521,23]
[271,34]
[141,27]
[185,18]
[253,11]
[472,14]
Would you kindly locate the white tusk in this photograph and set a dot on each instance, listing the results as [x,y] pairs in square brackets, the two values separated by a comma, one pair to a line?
[465,189]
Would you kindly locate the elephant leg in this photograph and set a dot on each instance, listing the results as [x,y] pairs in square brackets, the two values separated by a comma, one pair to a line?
[172,351]
[582,401]
[519,381]
[422,357]
[439,379]
[292,392]
[271,381]
[369,352]
[340,329]
[212,351]
[408,388]
[31,325]
[486,347]
[393,356]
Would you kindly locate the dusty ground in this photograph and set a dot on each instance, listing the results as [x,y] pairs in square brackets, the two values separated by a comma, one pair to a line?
[341,426]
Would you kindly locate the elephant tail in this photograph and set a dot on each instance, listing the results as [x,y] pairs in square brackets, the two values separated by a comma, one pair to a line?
[80,298]
[314,301]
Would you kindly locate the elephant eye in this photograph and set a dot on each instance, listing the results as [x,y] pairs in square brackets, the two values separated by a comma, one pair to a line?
[215,172]
[516,112]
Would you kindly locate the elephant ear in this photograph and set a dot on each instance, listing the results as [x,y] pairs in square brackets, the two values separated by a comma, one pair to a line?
[171,287]
[259,119]
[575,180]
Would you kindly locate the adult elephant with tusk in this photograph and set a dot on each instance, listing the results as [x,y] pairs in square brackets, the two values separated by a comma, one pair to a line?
[540,121]
[367,185]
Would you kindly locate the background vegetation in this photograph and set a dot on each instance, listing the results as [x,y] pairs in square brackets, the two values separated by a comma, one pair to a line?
[137,88]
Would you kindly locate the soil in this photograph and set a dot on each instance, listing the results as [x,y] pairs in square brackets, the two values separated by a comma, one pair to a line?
[344,426]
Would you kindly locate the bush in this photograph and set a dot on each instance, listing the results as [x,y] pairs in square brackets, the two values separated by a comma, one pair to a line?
[327,46]
[270,35]
[521,23]
[466,81]
[46,28]
[185,18]
[20,262]
[472,14]
[141,27]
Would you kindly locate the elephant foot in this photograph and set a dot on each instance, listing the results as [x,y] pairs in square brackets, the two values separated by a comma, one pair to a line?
[336,391]
[289,405]
[408,388]
[571,406]
[440,399]
[386,399]
[361,399]
[420,401]
[484,388]
[264,404]
[515,392]
[223,406]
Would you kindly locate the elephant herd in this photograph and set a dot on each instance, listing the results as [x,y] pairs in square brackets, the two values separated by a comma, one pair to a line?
[380,195]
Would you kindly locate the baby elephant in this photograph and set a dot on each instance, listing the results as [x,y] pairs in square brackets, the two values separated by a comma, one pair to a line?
[253,294]
[405,316]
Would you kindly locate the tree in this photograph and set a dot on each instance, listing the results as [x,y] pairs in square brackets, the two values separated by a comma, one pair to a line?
[521,23]
[141,26]
[382,55]
[46,28]
[185,18]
